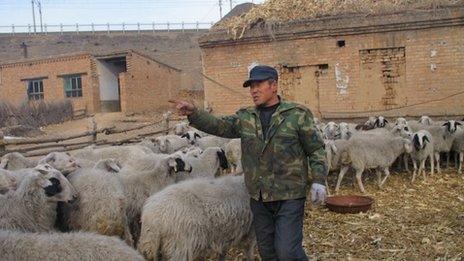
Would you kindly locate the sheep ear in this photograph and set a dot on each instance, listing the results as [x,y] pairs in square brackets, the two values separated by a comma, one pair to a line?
[334,148]
[186,135]
[4,163]
[50,158]
[446,124]
[458,123]
[113,166]
[376,122]
[425,139]
[43,168]
[43,183]
[172,164]
[196,135]
[386,121]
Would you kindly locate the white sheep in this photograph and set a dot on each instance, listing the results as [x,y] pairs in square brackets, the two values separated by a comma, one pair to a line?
[458,147]
[182,128]
[101,206]
[75,246]
[146,176]
[171,143]
[422,149]
[148,143]
[61,161]
[198,217]
[191,136]
[372,153]
[401,120]
[425,120]
[331,131]
[208,163]
[7,181]
[32,206]
[212,141]
[443,138]
[16,161]
[122,154]
[233,152]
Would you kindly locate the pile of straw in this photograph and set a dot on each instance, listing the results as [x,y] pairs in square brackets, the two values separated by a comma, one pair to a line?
[281,11]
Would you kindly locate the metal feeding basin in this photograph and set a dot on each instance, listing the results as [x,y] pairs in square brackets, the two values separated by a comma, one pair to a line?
[349,204]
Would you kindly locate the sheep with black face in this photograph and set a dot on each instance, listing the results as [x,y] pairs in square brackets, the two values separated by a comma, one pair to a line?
[422,149]
[32,206]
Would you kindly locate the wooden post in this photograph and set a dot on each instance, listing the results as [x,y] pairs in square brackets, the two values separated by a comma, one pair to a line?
[166,121]
[93,129]
[2,144]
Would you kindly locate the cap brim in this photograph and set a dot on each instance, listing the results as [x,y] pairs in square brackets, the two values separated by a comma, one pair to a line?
[248,82]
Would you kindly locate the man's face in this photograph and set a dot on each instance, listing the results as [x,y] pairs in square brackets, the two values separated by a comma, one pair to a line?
[263,91]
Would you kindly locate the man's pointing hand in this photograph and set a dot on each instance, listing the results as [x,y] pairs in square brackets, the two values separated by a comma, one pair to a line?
[184,108]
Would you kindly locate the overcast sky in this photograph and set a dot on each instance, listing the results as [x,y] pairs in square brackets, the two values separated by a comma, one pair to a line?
[19,12]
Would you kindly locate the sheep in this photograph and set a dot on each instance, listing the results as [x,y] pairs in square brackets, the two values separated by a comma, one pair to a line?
[458,147]
[425,120]
[32,206]
[122,154]
[61,161]
[191,136]
[380,122]
[422,149]
[197,217]
[75,246]
[147,176]
[346,130]
[101,205]
[208,163]
[401,120]
[16,161]
[372,153]
[397,130]
[192,151]
[7,181]
[331,131]
[171,143]
[182,128]
[148,143]
[333,150]
[212,141]
[233,152]
[443,138]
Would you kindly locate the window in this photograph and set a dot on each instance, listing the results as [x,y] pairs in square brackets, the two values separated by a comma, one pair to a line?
[73,86]
[35,90]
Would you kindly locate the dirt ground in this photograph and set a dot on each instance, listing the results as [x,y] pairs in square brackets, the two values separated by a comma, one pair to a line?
[420,221]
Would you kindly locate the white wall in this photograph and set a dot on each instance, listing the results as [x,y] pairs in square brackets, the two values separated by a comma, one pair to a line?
[108,78]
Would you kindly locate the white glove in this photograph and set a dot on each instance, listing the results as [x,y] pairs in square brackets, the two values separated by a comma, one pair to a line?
[318,193]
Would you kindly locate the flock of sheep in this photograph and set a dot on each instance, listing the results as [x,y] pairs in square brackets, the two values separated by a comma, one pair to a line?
[165,198]
[377,144]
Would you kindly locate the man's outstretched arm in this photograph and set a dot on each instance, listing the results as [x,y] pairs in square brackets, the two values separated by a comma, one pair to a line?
[226,126]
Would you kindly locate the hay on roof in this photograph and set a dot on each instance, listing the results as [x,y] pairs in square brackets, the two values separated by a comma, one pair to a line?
[281,11]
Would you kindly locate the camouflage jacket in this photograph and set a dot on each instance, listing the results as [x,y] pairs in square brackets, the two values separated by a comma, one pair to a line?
[278,166]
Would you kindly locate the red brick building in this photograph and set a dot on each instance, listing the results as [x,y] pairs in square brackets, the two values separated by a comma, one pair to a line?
[408,63]
[126,81]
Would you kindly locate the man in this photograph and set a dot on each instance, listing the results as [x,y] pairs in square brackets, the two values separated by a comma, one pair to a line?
[278,139]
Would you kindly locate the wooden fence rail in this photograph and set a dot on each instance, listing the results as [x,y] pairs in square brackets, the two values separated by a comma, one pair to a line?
[62,143]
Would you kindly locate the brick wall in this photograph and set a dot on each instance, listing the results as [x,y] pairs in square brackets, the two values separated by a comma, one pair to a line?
[178,49]
[348,67]
[148,85]
[371,73]
[14,90]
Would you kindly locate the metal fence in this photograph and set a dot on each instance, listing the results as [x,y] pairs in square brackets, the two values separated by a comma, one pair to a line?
[102,28]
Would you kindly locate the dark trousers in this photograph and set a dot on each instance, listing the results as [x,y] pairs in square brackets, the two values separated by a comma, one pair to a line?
[279,229]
